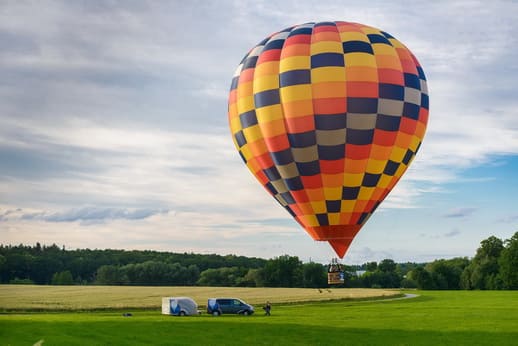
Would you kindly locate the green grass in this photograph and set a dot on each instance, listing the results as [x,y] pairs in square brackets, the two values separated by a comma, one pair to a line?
[434,318]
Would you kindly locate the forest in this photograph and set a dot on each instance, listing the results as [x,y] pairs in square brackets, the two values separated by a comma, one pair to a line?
[494,266]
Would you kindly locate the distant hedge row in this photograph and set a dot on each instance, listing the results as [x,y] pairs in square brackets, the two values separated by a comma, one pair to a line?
[494,266]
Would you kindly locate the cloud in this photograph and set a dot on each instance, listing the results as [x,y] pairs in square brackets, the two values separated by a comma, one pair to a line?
[460,212]
[511,219]
[366,254]
[452,233]
[84,214]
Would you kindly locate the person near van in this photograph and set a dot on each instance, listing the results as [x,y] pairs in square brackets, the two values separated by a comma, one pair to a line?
[267,308]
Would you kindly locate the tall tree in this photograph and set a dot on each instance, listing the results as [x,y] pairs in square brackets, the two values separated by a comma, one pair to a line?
[447,273]
[62,278]
[226,276]
[423,278]
[371,266]
[484,266]
[283,271]
[314,275]
[509,263]
[110,275]
[387,266]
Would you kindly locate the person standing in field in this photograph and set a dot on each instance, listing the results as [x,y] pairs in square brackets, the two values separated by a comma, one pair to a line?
[267,308]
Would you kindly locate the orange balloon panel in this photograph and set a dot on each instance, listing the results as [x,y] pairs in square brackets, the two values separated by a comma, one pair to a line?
[328,116]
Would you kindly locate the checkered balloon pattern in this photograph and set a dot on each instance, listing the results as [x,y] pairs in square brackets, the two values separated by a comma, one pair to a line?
[328,116]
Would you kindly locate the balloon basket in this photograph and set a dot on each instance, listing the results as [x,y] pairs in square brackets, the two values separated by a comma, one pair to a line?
[335,273]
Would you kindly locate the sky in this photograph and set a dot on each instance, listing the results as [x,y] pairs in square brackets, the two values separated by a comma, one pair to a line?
[114,132]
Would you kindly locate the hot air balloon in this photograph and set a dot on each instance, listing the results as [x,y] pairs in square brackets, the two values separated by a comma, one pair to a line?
[328,116]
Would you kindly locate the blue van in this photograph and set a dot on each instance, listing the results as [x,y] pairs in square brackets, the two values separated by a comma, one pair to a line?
[218,306]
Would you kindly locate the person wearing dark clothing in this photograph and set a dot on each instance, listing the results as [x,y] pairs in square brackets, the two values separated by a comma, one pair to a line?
[267,309]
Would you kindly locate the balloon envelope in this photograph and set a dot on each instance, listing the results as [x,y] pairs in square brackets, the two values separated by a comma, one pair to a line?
[328,116]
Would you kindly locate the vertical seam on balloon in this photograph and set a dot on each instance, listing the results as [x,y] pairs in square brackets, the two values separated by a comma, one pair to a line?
[314,116]
[395,179]
[288,190]
[303,217]
[282,180]
[345,144]
[239,111]
[369,199]
[386,189]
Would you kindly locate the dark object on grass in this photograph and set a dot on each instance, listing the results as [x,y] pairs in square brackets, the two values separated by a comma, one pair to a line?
[127,314]
[267,308]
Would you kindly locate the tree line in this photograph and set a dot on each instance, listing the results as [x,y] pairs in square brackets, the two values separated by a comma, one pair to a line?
[494,266]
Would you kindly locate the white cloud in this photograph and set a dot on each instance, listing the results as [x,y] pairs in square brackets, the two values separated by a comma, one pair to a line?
[85,215]
[452,233]
[460,212]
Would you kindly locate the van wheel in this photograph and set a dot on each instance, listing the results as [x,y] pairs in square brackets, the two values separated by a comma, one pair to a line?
[215,313]
[182,313]
[245,312]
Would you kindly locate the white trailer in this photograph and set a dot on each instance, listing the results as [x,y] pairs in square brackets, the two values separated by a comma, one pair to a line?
[179,306]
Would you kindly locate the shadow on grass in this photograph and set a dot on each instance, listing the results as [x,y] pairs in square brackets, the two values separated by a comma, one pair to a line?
[227,332]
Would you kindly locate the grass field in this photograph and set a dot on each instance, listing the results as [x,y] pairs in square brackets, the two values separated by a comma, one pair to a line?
[433,318]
